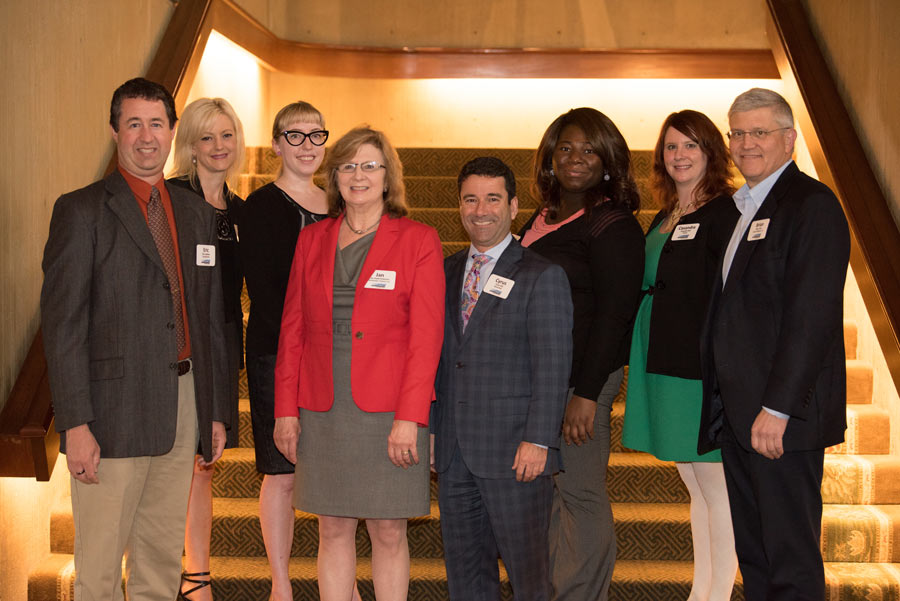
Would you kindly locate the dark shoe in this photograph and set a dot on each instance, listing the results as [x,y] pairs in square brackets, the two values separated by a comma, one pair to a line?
[192,578]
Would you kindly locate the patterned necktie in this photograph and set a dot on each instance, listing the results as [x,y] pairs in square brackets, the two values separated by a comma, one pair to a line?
[162,236]
[470,287]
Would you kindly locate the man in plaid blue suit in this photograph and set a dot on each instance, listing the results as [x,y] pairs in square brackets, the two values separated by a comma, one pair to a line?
[501,392]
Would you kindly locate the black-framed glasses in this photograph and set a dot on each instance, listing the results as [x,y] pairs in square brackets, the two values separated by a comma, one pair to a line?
[736,135]
[296,138]
[367,167]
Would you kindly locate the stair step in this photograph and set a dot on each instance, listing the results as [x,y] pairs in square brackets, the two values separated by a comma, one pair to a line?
[242,578]
[850,533]
[53,579]
[859,382]
[428,191]
[446,162]
[861,479]
[861,533]
[236,532]
[641,478]
[851,336]
[644,531]
[250,182]
[848,479]
[616,423]
[868,432]
[245,433]
[239,578]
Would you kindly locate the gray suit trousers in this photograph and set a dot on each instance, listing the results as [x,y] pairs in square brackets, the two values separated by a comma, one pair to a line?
[582,540]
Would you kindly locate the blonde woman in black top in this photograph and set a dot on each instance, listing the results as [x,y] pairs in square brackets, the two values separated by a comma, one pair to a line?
[270,222]
[209,150]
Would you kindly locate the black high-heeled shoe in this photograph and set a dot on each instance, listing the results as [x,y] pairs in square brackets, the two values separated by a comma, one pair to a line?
[192,578]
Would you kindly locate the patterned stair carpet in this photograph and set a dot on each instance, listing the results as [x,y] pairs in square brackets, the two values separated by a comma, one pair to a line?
[861,486]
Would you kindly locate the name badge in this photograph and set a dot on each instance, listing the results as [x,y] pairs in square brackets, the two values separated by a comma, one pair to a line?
[498,286]
[757,230]
[206,255]
[382,280]
[685,231]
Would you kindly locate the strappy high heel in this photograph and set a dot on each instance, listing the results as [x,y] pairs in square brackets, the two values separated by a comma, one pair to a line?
[192,578]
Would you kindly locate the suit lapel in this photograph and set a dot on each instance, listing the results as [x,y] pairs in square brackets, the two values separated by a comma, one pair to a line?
[385,238]
[768,208]
[186,221]
[325,264]
[456,266]
[125,206]
[507,266]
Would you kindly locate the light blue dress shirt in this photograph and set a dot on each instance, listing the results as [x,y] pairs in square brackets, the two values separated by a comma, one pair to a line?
[748,200]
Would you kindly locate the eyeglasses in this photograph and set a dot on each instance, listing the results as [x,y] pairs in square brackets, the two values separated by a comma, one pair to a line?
[368,167]
[296,138]
[736,135]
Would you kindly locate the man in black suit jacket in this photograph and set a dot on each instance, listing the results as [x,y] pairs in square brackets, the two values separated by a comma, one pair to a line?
[133,319]
[501,392]
[773,354]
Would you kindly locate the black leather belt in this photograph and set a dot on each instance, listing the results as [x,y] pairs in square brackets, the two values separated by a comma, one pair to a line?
[184,366]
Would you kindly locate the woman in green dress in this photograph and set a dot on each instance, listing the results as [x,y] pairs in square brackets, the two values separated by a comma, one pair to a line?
[684,246]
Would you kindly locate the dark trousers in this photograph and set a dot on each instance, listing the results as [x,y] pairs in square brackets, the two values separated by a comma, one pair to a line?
[776,509]
[482,517]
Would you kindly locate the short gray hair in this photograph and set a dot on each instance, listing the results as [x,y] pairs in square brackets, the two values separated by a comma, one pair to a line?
[757,98]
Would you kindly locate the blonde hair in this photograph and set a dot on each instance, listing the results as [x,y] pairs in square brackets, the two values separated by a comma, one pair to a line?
[195,121]
[343,152]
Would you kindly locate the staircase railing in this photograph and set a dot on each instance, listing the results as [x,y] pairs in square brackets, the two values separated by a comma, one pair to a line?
[28,444]
[841,163]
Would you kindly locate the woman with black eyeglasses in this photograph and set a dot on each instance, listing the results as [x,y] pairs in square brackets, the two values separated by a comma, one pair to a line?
[268,228]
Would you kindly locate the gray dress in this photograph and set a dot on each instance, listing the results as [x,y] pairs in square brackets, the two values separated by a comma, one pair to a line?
[343,468]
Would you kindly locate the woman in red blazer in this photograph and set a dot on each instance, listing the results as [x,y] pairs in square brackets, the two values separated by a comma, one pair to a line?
[357,355]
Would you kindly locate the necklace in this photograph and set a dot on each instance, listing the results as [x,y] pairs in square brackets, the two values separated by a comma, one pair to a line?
[677,213]
[364,230]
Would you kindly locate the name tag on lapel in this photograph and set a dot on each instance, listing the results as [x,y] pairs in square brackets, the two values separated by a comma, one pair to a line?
[497,285]
[206,255]
[382,279]
[757,230]
[685,231]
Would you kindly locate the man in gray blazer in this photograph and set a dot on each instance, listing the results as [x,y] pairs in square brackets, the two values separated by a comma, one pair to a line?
[133,318]
[501,392]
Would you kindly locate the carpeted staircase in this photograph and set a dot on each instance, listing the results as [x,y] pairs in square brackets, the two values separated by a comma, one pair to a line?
[861,486]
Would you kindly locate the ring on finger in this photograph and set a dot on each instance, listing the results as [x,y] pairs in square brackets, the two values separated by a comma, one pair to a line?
[81,472]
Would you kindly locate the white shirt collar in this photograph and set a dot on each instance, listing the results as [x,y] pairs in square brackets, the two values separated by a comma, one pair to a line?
[748,199]
[494,252]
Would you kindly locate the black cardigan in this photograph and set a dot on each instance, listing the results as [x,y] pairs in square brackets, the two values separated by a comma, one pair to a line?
[269,223]
[603,257]
[684,280]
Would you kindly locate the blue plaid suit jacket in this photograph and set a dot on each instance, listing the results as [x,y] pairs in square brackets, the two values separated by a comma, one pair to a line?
[505,380]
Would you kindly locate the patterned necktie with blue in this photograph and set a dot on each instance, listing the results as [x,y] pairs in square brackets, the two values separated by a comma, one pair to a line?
[470,287]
